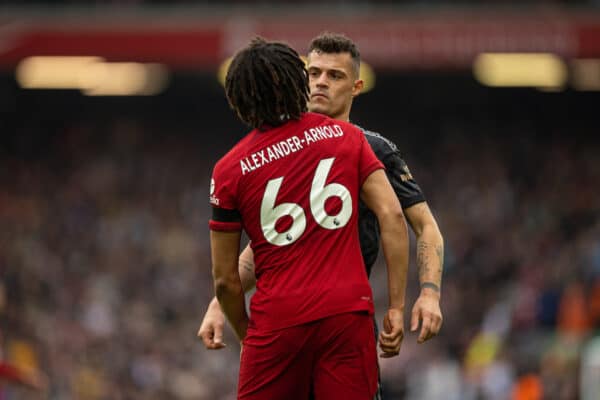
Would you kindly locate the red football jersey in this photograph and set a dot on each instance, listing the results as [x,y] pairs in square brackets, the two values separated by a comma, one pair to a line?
[296,188]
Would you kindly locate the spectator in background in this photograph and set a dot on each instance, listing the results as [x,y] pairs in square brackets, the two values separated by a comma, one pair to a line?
[25,371]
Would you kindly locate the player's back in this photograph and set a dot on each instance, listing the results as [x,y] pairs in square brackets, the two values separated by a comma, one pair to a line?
[297,188]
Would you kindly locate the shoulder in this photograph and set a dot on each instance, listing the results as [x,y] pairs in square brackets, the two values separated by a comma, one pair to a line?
[315,118]
[320,119]
[334,127]
[224,170]
[382,146]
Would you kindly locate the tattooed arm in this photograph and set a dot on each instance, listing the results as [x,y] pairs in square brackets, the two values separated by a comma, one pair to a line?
[211,328]
[430,262]
[430,245]
[246,267]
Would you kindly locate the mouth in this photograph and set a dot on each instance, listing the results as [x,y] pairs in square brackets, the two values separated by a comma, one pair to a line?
[318,95]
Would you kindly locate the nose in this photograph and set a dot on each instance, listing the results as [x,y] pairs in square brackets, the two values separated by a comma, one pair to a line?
[321,81]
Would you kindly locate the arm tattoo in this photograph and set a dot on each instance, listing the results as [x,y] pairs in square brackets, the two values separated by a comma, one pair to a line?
[422,259]
[430,285]
[424,264]
[247,266]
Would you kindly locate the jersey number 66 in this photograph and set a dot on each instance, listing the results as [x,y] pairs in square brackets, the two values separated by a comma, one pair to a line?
[319,193]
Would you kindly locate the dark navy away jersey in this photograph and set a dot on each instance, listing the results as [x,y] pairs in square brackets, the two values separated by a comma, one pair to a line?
[405,187]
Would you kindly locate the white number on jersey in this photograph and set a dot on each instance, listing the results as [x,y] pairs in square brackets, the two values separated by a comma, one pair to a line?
[319,193]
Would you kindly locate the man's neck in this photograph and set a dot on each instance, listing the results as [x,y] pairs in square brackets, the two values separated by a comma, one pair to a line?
[343,117]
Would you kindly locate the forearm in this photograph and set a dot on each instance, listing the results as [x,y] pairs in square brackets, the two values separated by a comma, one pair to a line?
[430,257]
[247,278]
[231,298]
[394,239]
[225,247]
[246,269]
[378,195]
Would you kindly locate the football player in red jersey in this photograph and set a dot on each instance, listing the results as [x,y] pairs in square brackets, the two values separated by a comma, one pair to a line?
[333,64]
[293,184]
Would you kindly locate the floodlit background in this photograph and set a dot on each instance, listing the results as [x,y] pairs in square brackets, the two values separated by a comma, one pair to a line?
[112,116]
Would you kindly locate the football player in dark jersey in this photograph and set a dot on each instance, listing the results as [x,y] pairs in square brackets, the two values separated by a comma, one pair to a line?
[333,67]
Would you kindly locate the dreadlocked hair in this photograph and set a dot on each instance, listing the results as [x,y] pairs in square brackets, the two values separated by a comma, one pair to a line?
[267,84]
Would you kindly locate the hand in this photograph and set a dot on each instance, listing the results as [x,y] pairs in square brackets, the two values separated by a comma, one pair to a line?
[211,329]
[391,337]
[427,311]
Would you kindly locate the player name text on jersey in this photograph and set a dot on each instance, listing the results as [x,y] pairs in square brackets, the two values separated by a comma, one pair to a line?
[286,147]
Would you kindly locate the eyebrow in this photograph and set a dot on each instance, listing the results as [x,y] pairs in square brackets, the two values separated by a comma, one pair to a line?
[329,69]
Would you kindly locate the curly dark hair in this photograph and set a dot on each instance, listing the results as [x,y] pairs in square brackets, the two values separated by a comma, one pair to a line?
[335,43]
[267,84]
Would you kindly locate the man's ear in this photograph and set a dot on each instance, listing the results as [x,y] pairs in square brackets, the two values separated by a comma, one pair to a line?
[357,87]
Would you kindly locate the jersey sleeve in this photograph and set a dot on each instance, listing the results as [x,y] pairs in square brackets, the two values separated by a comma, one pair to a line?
[368,161]
[408,191]
[225,215]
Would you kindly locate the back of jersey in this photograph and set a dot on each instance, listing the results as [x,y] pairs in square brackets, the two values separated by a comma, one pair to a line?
[297,188]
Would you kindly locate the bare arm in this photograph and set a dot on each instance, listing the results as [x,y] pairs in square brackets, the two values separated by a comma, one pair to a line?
[211,328]
[430,262]
[378,195]
[246,268]
[225,247]
[430,246]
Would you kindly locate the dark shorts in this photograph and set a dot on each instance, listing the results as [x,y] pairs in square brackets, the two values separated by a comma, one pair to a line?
[335,358]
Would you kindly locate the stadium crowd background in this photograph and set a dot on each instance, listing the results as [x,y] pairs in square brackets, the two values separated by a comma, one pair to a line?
[105,261]
[105,266]
[329,2]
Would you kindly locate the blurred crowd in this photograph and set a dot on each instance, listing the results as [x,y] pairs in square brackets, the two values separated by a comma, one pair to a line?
[307,2]
[105,265]
[520,213]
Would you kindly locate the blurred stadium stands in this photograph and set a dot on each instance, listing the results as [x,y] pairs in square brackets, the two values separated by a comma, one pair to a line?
[350,3]
[104,259]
